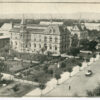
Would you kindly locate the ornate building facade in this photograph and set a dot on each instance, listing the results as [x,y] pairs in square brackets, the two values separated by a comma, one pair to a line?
[32,38]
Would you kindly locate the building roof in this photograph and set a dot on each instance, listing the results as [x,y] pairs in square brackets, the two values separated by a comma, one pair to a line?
[35,30]
[92,26]
[6,26]
[69,28]
[41,29]
[16,30]
[4,37]
[48,23]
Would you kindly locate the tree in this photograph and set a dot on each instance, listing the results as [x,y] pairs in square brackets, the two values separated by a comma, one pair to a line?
[90,93]
[41,86]
[80,65]
[49,56]
[5,51]
[87,60]
[45,67]
[93,34]
[81,58]
[94,56]
[84,44]
[3,67]
[99,54]
[69,70]
[95,92]
[63,65]
[75,41]
[57,76]
[43,50]
[75,51]
[16,87]
[92,46]
[1,76]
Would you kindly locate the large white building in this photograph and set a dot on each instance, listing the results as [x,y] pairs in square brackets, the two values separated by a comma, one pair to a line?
[30,38]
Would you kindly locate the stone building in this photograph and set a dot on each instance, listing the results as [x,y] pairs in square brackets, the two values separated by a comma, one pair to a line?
[79,30]
[32,38]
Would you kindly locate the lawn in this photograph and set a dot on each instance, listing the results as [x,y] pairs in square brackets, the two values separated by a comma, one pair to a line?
[44,72]
[16,90]
[16,66]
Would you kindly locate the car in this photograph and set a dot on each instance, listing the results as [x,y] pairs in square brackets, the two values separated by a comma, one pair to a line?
[89,73]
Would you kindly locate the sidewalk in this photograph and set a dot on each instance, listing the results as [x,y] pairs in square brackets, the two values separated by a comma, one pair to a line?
[78,83]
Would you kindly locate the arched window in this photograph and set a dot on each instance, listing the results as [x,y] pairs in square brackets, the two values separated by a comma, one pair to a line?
[45,46]
[50,31]
[50,39]
[56,39]
[50,46]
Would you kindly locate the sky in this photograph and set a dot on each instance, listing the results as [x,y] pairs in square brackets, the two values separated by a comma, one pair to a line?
[47,8]
[49,0]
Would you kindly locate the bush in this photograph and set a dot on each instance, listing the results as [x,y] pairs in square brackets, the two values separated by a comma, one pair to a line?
[74,51]
[36,80]
[63,65]
[5,81]
[50,72]
[95,92]
[16,88]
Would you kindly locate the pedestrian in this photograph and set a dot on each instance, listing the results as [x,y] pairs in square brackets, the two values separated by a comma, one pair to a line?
[69,87]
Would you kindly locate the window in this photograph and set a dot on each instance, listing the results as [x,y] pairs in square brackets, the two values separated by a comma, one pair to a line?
[45,38]
[39,45]
[34,45]
[55,47]
[16,37]
[26,45]
[45,46]
[54,30]
[50,30]
[1,34]
[40,40]
[34,39]
[50,47]
[15,43]
[50,39]
[65,45]
[21,35]
[56,39]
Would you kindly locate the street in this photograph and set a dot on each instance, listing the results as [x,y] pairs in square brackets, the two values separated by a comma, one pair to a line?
[79,83]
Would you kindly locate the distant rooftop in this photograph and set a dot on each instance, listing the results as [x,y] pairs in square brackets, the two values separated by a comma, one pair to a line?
[92,24]
[48,23]
[4,37]
[6,26]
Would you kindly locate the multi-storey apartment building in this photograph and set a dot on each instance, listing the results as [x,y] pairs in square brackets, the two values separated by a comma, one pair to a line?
[32,38]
